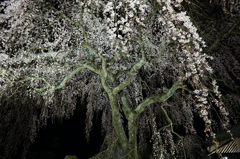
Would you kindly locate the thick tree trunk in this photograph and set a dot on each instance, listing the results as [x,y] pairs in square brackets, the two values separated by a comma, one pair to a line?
[127,144]
[132,142]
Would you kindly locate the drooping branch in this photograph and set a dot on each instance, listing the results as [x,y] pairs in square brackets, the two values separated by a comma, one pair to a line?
[92,68]
[7,72]
[224,35]
[63,15]
[66,79]
[131,74]
[156,6]
[103,73]
[79,24]
[157,98]
[170,123]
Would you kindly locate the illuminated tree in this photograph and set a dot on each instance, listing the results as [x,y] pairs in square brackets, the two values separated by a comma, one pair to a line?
[140,63]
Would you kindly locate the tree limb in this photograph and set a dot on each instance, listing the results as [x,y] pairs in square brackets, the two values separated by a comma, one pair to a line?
[170,123]
[224,35]
[157,98]
[66,79]
[130,76]
[126,108]
[134,69]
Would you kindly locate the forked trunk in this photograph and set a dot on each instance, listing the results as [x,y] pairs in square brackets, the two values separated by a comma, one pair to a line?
[127,144]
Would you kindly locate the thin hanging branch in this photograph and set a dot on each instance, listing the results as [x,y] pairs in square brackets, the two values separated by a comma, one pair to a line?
[224,35]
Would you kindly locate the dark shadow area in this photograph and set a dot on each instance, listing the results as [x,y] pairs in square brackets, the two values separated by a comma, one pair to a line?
[66,137]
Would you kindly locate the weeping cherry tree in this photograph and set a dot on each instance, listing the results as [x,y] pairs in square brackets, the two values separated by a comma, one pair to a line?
[138,63]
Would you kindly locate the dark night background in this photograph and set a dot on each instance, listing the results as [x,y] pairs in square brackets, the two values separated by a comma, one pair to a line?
[67,137]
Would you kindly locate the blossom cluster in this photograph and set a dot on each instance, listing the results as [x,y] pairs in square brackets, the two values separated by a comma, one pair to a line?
[121,25]
[193,60]
[54,48]
[218,102]
[156,138]
[203,106]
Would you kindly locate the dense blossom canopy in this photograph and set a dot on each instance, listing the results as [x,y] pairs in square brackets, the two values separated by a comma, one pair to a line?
[137,62]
